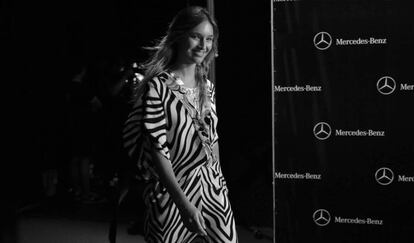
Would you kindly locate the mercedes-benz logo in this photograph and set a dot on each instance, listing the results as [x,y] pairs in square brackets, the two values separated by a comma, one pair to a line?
[386,85]
[322,130]
[321,217]
[322,40]
[384,176]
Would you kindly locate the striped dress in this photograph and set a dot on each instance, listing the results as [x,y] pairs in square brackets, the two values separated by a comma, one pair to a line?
[165,118]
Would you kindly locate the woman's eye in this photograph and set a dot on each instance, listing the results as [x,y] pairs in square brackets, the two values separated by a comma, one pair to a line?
[195,36]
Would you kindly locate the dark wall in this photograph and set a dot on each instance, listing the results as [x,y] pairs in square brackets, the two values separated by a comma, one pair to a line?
[244,107]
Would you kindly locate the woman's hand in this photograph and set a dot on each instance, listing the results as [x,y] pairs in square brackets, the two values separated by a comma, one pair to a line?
[190,215]
[193,219]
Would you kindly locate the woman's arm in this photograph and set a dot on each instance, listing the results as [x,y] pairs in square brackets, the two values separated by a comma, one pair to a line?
[191,216]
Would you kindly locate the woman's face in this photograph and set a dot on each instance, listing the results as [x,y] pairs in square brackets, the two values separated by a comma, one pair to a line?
[196,44]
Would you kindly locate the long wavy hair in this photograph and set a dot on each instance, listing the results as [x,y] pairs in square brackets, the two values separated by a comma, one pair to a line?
[164,53]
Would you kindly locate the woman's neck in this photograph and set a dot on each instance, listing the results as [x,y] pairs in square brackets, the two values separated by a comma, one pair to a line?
[186,73]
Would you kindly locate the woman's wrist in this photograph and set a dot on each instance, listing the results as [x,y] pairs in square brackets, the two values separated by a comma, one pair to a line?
[183,204]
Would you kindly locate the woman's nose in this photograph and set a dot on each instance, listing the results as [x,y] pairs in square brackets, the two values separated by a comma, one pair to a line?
[202,44]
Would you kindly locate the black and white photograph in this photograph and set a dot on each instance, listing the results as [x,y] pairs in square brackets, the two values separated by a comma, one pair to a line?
[203,121]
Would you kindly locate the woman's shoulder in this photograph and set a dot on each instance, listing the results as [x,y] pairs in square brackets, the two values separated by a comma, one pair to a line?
[158,79]
[166,79]
[162,79]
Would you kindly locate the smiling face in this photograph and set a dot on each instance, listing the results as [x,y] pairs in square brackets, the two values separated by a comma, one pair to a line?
[196,44]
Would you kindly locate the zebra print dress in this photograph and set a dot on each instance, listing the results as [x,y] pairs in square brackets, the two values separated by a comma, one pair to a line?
[165,119]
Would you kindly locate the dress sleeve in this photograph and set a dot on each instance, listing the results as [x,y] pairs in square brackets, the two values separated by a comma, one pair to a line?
[145,129]
[154,121]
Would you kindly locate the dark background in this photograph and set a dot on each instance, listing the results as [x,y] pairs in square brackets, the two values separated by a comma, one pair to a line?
[45,44]
[349,101]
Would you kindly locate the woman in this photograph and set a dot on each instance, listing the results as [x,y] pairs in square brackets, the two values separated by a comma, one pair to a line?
[172,135]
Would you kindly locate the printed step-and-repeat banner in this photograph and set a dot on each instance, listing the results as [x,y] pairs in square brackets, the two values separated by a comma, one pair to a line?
[343,121]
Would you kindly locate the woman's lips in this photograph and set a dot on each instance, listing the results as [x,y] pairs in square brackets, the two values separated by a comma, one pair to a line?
[199,53]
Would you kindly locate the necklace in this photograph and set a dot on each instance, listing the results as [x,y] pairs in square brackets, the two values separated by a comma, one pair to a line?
[190,98]
[190,94]
[179,80]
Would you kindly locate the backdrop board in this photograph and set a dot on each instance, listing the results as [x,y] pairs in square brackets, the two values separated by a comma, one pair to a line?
[343,121]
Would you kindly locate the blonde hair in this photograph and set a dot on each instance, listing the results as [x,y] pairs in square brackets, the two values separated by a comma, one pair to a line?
[164,52]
